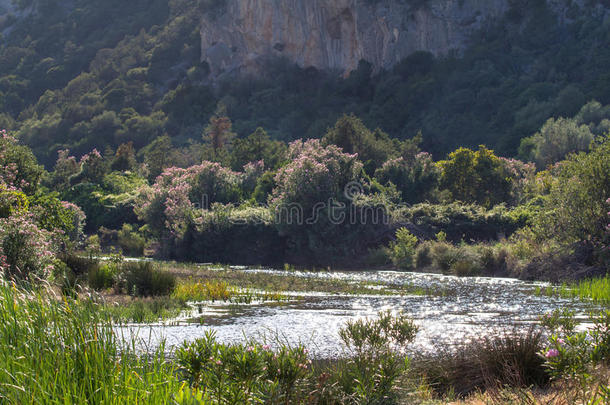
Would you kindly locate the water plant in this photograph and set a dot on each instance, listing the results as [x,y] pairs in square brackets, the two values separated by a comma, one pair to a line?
[204,291]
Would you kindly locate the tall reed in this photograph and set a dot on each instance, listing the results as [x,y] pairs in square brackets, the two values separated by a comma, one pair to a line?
[58,351]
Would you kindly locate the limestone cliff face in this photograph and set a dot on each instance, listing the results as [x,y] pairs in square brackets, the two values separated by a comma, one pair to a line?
[337,34]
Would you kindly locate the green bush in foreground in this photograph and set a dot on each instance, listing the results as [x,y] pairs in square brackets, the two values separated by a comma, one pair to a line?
[58,352]
[574,357]
[248,373]
[375,362]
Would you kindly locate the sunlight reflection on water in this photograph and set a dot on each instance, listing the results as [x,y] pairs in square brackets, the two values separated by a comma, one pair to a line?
[472,308]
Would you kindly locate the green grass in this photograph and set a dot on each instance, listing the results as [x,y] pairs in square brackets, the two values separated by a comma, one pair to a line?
[215,290]
[279,283]
[59,351]
[144,310]
[596,290]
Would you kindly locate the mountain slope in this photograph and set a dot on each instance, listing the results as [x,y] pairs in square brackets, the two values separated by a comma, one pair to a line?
[68,79]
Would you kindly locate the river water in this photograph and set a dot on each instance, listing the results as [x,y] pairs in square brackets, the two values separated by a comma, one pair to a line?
[465,309]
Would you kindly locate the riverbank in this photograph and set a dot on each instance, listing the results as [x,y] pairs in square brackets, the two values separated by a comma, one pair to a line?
[64,349]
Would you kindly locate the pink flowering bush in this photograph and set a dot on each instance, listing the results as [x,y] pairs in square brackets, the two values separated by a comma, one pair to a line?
[65,167]
[310,196]
[169,206]
[92,167]
[26,250]
[252,172]
[523,177]
[19,169]
[573,355]
[416,179]
[315,174]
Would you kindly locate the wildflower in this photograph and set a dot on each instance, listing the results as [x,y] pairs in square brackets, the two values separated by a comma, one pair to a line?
[266,347]
[552,354]
[560,341]
[218,362]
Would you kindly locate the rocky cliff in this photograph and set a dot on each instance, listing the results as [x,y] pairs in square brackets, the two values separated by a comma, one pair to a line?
[337,34]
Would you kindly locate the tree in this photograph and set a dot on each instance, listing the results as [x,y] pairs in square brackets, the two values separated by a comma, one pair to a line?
[124,159]
[556,139]
[403,249]
[351,135]
[416,178]
[578,204]
[476,177]
[218,132]
[157,156]
[258,146]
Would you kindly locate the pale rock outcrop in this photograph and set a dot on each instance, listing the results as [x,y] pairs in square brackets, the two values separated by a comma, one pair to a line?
[337,34]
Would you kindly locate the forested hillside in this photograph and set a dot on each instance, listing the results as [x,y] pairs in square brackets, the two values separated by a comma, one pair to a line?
[83,74]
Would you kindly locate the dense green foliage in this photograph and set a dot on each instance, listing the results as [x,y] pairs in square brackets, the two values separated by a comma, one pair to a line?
[70,81]
[195,171]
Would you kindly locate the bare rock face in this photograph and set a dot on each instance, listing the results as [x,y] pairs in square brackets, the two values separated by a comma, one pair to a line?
[337,34]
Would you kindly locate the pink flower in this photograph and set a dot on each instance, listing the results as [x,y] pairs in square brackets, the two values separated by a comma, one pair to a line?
[552,354]
[560,341]
[266,347]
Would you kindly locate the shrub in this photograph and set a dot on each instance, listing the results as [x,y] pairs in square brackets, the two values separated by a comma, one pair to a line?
[575,356]
[78,264]
[249,373]
[416,179]
[130,241]
[12,202]
[423,255]
[379,257]
[403,249]
[444,255]
[143,279]
[102,277]
[375,346]
[26,251]
[465,268]
[510,359]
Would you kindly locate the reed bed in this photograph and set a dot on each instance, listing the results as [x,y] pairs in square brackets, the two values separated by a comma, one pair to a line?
[58,351]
